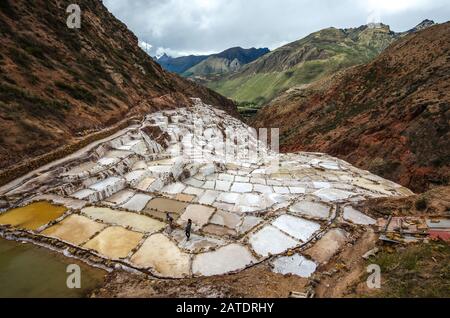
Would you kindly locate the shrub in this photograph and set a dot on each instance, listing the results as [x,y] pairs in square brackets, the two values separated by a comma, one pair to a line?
[78,92]
[34,105]
[421,204]
[19,57]
[7,9]
[32,79]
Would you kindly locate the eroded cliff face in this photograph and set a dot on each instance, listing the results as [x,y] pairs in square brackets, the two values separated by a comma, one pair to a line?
[59,84]
[390,116]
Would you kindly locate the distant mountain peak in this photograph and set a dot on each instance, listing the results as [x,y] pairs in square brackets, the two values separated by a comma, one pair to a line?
[229,60]
[243,55]
[163,58]
[378,25]
[423,25]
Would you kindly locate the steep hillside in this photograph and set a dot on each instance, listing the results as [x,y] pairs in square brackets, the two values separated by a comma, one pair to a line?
[59,84]
[319,54]
[390,116]
[181,64]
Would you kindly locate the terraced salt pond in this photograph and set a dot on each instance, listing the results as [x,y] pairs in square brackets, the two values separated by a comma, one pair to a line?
[33,216]
[285,209]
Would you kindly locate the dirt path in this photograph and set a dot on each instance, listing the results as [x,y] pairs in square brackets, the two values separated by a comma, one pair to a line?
[350,267]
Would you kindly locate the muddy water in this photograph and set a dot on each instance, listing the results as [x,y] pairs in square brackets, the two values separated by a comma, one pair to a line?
[33,216]
[30,271]
[158,208]
[167,205]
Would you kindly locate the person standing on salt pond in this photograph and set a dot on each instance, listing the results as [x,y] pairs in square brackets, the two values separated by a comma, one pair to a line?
[188,229]
[169,220]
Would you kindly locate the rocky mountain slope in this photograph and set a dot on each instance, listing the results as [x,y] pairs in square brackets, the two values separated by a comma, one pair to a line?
[204,68]
[390,116]
[59,84]
[181,64]
[317,55]
[226,62]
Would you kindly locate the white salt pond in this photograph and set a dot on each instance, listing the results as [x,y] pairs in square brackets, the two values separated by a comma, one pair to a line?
[271,241]
[294,265]
[296,227]
[354,216]
[137,203]
[118,192]
[226,259]
[311,209]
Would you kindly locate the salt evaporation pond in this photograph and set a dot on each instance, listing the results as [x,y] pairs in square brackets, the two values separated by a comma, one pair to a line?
[29,271]
[33,216]
[117,195]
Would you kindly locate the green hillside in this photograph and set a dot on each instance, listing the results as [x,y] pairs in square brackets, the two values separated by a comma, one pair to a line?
[304,61]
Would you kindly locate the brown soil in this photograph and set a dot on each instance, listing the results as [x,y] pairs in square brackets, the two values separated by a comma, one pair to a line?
[58,84]
[349,265]
[256,282]
[435,202]
[417,270]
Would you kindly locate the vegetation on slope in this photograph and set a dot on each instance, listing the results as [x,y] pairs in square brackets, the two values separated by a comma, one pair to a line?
[304,61]
[389,116]
[58,84]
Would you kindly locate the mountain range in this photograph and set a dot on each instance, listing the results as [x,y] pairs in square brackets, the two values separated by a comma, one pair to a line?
[206,67]
[304,61]
[181,64]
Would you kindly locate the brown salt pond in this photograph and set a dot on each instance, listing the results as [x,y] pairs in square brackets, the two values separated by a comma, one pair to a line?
[160,206]
[185,197]
[33,216]
[74,229]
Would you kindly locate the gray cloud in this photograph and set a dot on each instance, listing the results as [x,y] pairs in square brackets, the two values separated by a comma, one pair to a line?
[181,27]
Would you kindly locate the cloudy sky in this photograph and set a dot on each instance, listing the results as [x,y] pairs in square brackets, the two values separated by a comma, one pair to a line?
[182,27]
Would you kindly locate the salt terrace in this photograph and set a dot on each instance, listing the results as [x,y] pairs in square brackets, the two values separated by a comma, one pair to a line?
[113,197]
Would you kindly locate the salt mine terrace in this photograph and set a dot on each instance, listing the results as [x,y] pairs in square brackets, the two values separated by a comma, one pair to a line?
[108,204]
